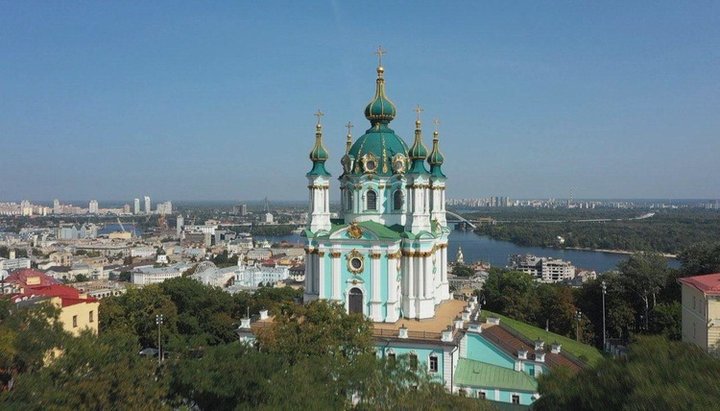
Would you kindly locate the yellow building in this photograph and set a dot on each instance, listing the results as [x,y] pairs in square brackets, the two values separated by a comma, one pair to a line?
[77,310]
[701,311]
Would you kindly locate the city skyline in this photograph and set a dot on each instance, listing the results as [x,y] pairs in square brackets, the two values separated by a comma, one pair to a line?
[191,103]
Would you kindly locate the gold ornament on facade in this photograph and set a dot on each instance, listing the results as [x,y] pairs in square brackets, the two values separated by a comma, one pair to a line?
[355,231]
[355,262]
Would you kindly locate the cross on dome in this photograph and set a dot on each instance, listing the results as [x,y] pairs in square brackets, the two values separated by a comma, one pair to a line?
[380,52]
[319,114]
[436,123]
[349,126]
[418,110]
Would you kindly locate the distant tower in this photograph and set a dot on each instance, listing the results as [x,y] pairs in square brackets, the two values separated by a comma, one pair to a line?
[56,206]
[148,205]
[136,206]
[179,225]
[93,207]
[460,259]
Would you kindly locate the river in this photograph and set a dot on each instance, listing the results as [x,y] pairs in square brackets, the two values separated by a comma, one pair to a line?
[496,252]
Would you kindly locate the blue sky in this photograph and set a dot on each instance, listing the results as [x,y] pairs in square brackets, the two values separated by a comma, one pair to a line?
[215,100]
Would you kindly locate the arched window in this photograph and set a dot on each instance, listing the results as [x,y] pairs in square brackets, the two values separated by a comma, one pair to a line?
[349,200]
[371,199]
[413,361]
[398,200]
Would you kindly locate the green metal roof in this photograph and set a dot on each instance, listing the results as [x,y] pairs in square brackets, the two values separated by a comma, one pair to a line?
[381,231]
[479,374]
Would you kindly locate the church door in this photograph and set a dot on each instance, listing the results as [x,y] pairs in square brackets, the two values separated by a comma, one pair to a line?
[355,302]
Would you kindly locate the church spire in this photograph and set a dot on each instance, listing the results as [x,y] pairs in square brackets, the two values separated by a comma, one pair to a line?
[348,143]
[418,152]
[319,154]
[380,110]
[436,159]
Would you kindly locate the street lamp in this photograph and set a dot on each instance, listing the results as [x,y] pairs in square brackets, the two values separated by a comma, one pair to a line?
[604,291]
[578,317]
[159,319]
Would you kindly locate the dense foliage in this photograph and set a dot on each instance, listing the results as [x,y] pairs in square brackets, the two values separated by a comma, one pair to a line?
[637,300]
[657,374]
[311,356]
[669,231]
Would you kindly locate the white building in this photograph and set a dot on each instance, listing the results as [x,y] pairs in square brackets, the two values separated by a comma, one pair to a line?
[544,269]
[150,275]
[164,208]
[148,205]
[93,207]
[268,218]
[251,277]
[136,206]
[14,263]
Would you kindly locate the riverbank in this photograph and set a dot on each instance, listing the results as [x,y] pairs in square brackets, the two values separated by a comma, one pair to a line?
[623,252]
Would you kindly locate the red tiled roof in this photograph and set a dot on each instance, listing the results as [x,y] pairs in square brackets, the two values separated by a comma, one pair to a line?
[68,295]
[708,283]
[20,277]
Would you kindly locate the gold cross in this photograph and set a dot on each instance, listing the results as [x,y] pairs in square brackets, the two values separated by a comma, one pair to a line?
[380,52]
[318,115]
[418,110]
[349,126]
[436,122]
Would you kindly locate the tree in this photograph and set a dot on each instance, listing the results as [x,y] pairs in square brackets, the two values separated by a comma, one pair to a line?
[644,274]
[657,374]
[27,338]
[92,373]
[462,270]
[511,293]
[701,258]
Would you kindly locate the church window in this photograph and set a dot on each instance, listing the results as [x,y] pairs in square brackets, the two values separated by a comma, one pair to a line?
[349,200]
[398,200]
[515,399]
[356,263]
[481,395]
[371,200]
[433,363]
[413,361]
[391,358]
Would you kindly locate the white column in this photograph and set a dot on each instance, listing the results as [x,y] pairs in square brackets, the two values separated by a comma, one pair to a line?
[410,287]
[391,315]
[375,299]
[335,261]
[320,265]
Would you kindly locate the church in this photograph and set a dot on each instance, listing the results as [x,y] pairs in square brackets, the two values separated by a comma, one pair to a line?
[386,257]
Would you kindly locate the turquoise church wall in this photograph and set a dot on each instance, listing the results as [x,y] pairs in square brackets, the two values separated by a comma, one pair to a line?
[423,355]
[481,350]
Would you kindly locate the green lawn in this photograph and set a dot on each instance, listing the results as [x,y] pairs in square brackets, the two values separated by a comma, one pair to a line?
[582,351]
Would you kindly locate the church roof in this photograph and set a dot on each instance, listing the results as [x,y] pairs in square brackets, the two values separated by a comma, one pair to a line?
[381,231]
[479,374]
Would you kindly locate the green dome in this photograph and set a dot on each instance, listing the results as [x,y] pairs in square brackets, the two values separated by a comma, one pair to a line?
[318,155]
[418,152]
[380,109]
[381,143]
[436,159]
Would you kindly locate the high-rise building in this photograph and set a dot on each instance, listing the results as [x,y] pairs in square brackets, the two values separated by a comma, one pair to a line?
[148,205]
[179,225]
[93,207]
[136,206]
[56,206]
[164,208]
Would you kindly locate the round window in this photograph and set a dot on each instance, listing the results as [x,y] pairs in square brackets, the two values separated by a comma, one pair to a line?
[370,165]
[356,263]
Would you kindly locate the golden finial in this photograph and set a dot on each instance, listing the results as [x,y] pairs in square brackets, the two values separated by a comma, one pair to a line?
[319,114]
[418,110]
[380,52]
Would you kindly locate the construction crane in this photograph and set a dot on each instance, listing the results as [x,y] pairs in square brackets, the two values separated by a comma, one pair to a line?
[121,226]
